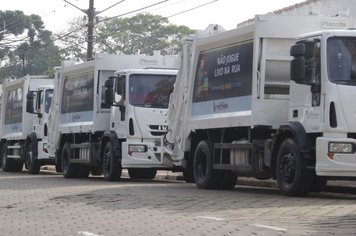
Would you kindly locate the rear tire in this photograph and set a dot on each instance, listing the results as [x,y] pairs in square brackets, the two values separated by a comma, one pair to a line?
[188,174]
[70,170]
[111,164]
[31,162]
[293,177]
[229,180]
[204,175]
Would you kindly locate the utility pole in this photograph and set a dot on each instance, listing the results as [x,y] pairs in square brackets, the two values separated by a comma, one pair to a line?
[91,13]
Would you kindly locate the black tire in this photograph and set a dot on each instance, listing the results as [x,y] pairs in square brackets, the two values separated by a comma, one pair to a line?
[293,177]
[58,167]
[229,180]
[204,175]
[111,164]
[70,170]
[9,165]
[141,173]
[32,164]
[5,165]
[188,174]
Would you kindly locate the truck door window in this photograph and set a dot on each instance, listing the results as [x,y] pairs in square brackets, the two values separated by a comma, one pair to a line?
[39,101]
[48,99]
[103,76]
[313,68]
[120,89]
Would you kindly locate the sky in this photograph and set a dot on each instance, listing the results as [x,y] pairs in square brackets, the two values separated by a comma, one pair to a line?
[228,13]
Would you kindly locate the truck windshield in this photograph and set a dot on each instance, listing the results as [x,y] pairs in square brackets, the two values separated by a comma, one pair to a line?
[150,90]
[341,57]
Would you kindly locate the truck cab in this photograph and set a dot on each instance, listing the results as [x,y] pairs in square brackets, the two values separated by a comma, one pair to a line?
[324,71]
[139,101]
[39,103]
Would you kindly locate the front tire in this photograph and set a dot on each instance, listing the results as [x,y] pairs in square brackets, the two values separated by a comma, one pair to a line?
[111,164]
[204,175]
[31,162]
[293,177]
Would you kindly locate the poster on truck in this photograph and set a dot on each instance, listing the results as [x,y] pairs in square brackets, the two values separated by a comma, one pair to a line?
[77,98]
[13,111]
[223,80]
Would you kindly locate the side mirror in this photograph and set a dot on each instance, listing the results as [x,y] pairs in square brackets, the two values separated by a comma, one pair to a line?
[297,67]
[29,102]
[109,92]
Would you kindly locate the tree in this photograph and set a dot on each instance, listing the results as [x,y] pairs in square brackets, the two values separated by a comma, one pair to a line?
[142,33]
[25,46]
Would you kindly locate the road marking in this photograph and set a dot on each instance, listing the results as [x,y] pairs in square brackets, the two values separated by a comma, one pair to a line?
[86,233]
[270,227]
[211,218]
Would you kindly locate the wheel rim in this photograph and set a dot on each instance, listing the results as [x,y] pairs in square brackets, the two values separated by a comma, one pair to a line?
[287,169]
[106,161]
[201,167]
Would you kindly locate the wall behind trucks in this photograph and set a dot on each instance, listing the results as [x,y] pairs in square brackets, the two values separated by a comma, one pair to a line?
[81,106]
[16,122]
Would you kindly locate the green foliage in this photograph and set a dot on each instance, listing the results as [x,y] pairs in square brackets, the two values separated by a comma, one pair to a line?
[142,33]
[25,46]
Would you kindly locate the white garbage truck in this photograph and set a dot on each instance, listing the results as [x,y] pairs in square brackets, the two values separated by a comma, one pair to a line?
[272,99]
[102,121]
[22,133]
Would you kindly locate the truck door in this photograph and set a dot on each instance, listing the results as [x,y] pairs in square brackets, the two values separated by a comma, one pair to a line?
[118,118]
[306,98]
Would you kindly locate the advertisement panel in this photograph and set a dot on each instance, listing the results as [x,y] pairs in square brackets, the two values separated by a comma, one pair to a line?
[13,111]
[78,98]
[223,80]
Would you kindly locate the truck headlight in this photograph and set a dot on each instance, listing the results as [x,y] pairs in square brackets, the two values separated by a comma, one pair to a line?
[137,148]
[341,147]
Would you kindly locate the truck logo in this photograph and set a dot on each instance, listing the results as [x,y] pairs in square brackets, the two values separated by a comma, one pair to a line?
[333,24]
[220,106]
[163,127]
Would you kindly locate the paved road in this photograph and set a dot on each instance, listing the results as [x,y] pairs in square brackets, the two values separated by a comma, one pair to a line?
[48,204]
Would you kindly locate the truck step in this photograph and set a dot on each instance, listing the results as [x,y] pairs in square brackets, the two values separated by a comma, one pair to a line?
[234,145]
[13,156]
[14,147]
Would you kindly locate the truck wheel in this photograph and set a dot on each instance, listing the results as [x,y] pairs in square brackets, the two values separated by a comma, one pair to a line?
[70,170]
[111,164]
[31,162]
[9,165]
[229,180]
[58,167]
[4,160]
[188,174]
[292,176]
[141,173]
[204,175]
